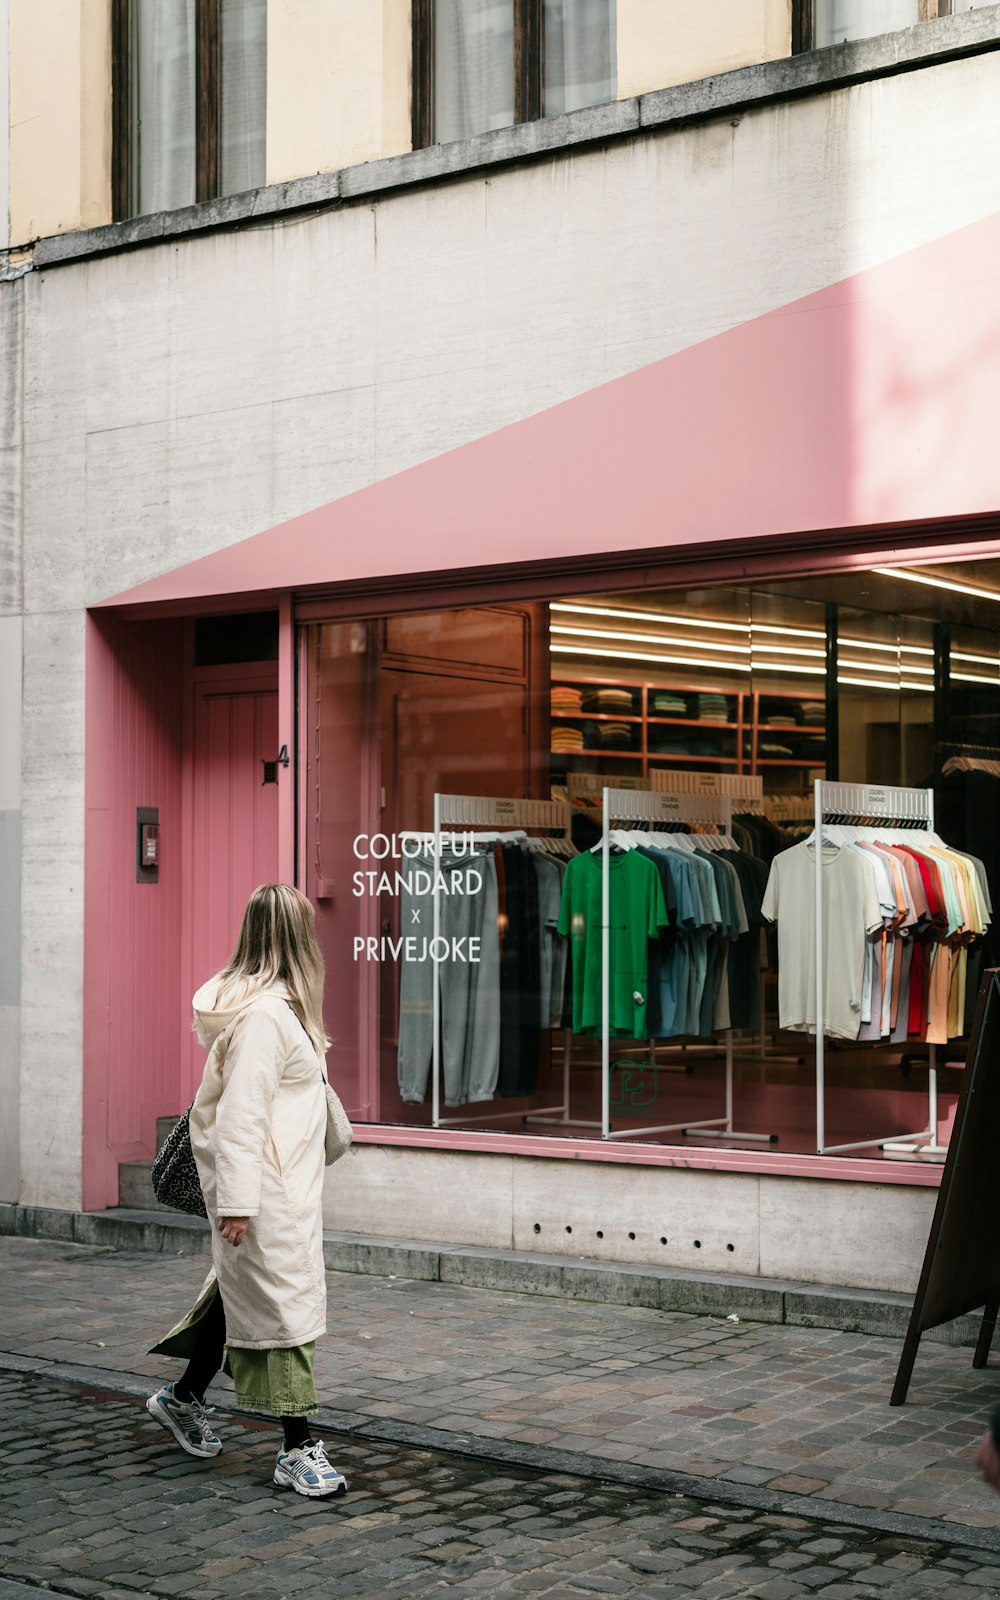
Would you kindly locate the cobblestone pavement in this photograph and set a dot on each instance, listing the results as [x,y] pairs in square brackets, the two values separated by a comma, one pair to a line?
[98,1502]
[776,1410]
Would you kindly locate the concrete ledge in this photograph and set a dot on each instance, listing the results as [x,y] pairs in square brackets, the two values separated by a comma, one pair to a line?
[522,1272]
[518,1272]
[813,72]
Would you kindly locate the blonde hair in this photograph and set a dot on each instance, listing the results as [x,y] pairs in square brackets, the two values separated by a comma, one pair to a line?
[277,944]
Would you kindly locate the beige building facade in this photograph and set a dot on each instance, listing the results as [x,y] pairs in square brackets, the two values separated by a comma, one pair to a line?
[339,83]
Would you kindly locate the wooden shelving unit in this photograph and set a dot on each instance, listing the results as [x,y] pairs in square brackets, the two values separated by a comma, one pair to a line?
[740,738]
[649,726]
[806,741]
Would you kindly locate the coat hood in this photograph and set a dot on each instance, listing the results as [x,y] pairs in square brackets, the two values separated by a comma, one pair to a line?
[211,1019]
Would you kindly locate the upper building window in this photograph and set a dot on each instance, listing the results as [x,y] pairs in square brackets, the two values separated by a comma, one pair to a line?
[824,22]
[484,64]
[190,87]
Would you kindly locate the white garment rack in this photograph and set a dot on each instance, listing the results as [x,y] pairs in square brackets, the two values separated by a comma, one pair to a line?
[631,805]
[912,808]
[466,812]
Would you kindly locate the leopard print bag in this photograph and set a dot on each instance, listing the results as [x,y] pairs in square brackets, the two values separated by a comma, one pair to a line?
[175,1175]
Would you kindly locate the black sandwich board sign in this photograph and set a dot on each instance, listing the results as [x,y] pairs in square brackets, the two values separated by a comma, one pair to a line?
[961,1269]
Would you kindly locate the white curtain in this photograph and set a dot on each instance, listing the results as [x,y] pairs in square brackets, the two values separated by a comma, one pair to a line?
[473,67]
[162,144]
[580,62]
[838,20]
[243,26]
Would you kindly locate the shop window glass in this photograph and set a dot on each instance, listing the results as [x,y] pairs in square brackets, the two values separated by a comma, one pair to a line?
[480,65]
[473,67]
[973,708]
[243,104]
[189,101]
[825,22]
[579,54]
[835,21]
[864,677]
[162,124]
[247,636]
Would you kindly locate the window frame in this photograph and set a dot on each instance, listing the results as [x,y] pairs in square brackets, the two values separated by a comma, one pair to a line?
[208,105]
[804,20]
[529,66]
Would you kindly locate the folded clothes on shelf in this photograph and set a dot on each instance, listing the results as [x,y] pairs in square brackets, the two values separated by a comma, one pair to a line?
[566,699]
[664,703]
[713,708]
[615,734]
[608,700]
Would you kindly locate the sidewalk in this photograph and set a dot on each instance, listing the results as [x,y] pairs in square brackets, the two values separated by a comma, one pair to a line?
[753,1412]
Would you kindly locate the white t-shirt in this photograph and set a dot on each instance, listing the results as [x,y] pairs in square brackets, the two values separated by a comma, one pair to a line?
[851,910]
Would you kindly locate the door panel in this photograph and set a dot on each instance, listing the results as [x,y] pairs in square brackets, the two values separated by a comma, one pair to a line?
[234,824]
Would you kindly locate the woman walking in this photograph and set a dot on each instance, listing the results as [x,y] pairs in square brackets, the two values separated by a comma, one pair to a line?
[258,1125]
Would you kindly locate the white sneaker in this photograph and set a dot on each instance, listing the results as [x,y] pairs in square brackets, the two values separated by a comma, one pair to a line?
[187,1421]
[307,1470]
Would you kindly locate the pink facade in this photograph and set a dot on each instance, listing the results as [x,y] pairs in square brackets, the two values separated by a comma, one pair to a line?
[854,423]
[866,406]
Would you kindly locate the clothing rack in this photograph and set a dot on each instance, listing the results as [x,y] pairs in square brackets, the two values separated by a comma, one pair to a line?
[466,812]
[746,792]
[631,805]
[867,804]
[789,808]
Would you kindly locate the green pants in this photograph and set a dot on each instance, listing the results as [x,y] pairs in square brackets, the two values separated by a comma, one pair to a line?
[279,1382]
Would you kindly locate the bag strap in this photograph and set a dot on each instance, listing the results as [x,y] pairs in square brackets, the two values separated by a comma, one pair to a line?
[308,1035]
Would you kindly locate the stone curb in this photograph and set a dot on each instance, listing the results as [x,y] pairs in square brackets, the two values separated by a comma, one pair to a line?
[802,1305]
[544,1458]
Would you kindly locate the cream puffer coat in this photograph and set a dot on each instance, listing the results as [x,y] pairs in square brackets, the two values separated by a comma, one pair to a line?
[258,1126]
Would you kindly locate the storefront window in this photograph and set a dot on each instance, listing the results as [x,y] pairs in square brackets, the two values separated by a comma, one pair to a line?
[869,678]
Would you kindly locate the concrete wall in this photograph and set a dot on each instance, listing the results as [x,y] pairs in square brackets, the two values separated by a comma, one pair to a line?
[661,42]
[868,1236]
[10,903]
[11,648]
[182,397]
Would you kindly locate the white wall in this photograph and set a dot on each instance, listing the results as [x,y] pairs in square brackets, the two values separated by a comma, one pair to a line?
[180,398]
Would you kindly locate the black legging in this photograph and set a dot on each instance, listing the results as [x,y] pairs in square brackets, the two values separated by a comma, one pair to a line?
[209,1354]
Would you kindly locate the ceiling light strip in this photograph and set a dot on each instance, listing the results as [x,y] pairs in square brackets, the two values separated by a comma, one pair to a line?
[793,669]
[714,645]
[685,622]
[877,683]
[936,583]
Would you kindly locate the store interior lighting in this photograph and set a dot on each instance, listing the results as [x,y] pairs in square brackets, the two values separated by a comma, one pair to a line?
[933,582]
[685,622]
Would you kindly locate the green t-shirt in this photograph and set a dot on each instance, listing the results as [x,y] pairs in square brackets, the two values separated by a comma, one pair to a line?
[637,914]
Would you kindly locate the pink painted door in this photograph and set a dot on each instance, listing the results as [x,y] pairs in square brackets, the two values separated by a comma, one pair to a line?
[234,823]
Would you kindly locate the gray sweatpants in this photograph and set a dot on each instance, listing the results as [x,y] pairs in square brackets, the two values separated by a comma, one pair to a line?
[470,991]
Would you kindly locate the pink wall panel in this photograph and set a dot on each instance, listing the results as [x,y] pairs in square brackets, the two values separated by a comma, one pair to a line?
[231,821]
[132,931]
